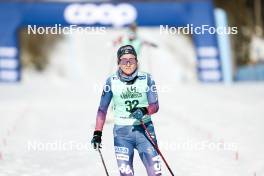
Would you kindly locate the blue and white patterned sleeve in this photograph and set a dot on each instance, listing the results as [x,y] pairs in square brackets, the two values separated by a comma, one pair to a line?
[106,98]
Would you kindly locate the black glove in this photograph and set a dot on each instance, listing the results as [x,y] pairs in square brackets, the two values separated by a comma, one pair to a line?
[138,113]
[97,139]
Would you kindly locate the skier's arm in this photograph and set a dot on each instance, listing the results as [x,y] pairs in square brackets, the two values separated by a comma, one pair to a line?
[152,95]
[104,103]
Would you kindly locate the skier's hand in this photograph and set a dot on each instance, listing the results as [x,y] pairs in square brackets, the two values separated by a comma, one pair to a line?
[97,139]
[138,113]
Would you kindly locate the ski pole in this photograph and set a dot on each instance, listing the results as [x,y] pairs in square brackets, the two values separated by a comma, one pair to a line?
[103,161]
[156,147]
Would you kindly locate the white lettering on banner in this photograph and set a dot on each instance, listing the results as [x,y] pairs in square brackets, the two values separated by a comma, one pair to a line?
[105,14]
[8,75]
[210,75]
[8,51]
[210,63]
[207,51]
[8,63]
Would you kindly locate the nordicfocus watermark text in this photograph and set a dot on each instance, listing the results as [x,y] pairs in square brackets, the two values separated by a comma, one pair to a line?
[152,88]
[67,30]
[72,145]
[58,145]
[190,145]
[198,30]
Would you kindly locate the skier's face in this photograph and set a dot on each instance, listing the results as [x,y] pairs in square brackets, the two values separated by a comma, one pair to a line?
[128,63]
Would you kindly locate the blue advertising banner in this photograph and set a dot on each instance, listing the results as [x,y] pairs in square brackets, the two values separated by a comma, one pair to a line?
[196,16]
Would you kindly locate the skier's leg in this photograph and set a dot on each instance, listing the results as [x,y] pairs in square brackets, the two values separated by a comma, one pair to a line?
[147,152]
[124,151]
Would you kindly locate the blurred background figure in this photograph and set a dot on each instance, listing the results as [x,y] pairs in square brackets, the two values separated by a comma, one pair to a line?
[133,39]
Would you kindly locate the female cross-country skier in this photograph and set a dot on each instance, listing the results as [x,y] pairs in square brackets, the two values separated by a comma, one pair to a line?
[132,38]
[134,99]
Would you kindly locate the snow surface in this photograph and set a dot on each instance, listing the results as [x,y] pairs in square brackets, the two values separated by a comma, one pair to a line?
[59,106]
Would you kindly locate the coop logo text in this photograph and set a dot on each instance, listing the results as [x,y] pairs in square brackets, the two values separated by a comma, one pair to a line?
[105,14]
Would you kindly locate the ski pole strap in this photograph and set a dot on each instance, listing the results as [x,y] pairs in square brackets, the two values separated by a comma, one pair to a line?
[156,147]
